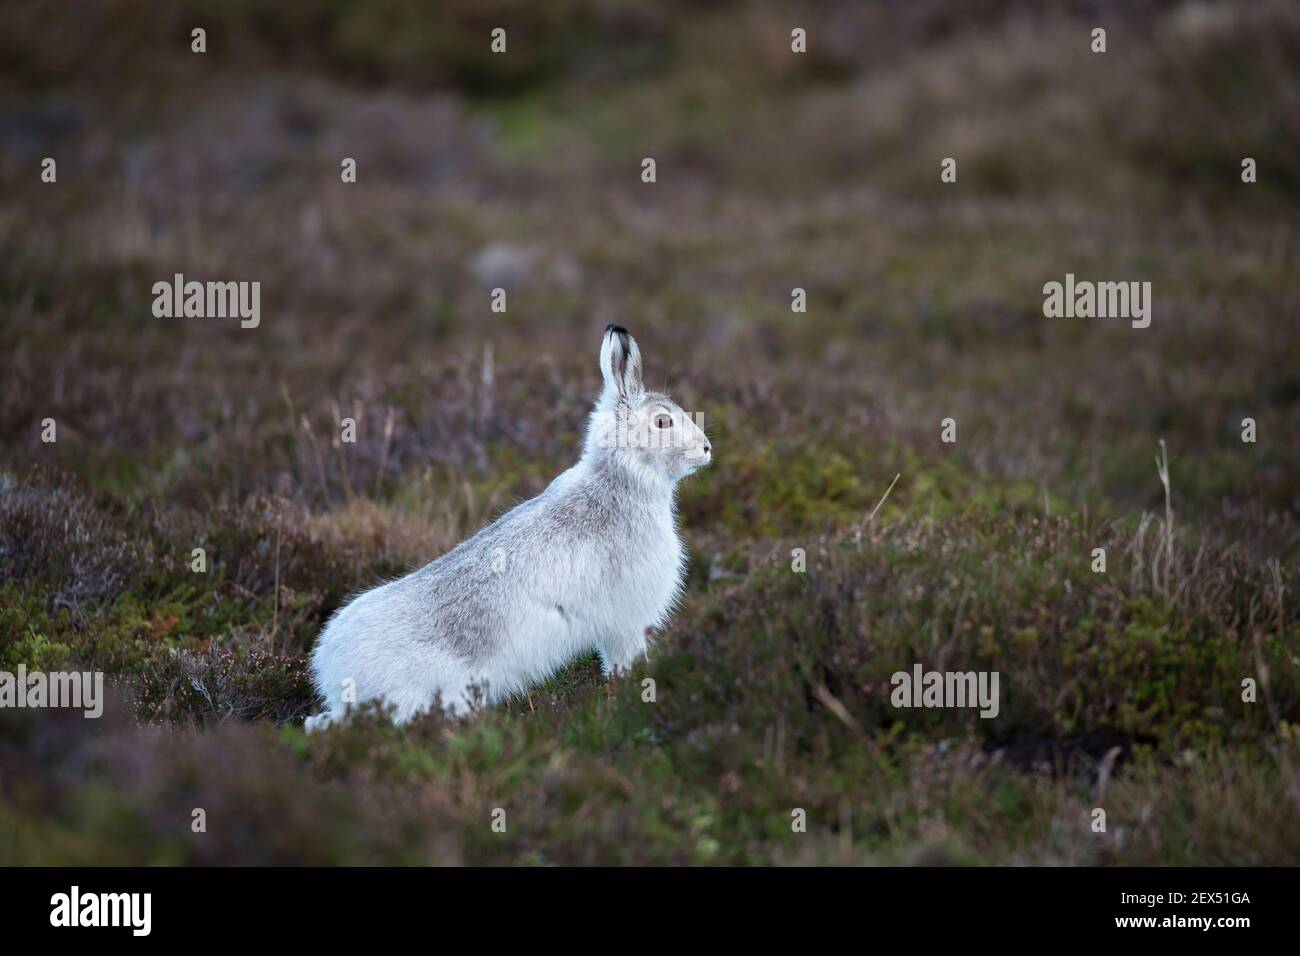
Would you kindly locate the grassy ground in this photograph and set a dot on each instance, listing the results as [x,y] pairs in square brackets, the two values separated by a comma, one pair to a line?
[1120,691]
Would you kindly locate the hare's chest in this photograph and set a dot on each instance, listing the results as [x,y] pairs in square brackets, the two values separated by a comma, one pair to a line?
[627,576]
[652,579]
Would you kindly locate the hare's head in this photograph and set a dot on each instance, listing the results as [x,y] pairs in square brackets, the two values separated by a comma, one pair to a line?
[646,432]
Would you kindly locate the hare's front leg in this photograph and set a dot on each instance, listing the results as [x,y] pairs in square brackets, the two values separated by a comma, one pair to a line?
[621,651]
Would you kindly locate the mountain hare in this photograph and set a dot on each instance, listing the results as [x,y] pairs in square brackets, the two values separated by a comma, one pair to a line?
[594,561]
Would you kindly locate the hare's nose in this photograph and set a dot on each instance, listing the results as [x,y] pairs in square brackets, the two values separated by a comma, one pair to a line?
[707,447]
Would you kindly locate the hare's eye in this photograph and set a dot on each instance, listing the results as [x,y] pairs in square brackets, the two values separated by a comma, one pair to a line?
[663,421]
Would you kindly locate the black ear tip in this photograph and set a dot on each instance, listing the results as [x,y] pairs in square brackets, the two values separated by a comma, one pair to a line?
[616,329]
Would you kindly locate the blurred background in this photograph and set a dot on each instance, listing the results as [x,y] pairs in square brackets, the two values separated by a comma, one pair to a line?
[775,170]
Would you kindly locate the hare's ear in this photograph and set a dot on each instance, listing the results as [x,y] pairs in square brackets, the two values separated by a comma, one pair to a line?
[620,363]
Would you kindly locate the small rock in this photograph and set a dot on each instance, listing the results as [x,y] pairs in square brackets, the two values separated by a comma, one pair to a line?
[501,265]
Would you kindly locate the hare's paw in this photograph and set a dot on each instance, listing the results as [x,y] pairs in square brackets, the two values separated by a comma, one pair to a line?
[606,666]
[620,655]
[318,722]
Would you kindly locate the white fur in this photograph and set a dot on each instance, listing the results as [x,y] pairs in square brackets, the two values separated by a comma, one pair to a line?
[593,562]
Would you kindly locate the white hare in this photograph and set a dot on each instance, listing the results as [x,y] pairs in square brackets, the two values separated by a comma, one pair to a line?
[593,562]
